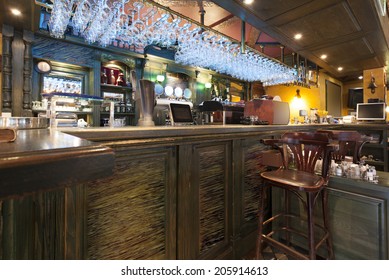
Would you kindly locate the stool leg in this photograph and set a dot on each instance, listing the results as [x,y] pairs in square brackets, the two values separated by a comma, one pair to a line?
[311,233]
[286,218]
[324,197]
[261,207]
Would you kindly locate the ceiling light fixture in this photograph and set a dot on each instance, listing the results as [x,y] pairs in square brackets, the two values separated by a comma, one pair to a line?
[340,68]
[360,77]
[323,56]
[16,12]
[298,36]
[248,2]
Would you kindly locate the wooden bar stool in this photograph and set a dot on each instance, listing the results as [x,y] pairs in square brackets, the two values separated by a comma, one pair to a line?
[306,148]
[350,143]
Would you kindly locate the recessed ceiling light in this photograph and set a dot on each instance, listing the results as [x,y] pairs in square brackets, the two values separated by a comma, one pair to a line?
[248,2]
[340,68]
[323,56]
[360,77]
[16,12]
[298,36]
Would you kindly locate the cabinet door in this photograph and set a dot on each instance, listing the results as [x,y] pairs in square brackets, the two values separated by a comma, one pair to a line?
[204,201]
[131,215]
[358,225]
[247,181]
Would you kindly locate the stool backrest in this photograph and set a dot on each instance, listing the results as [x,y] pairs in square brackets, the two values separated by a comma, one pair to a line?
[349,143]
[306,147]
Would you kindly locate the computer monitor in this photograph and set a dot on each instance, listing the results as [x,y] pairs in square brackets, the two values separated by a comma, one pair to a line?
[371,111]
[180,114]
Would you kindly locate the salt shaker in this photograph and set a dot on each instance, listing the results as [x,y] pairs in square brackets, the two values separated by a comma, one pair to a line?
[338,170]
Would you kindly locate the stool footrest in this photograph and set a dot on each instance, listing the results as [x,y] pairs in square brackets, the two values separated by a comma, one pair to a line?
[284,248]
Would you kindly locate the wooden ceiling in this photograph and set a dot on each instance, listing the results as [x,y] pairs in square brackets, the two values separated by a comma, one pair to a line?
[351,33]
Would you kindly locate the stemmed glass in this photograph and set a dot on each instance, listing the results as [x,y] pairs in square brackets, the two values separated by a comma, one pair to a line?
[60,16]
[104,21]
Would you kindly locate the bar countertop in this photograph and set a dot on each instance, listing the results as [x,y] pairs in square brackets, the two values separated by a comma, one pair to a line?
[136,132]
[43,159]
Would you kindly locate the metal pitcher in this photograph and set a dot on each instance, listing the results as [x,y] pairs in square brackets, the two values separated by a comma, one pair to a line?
[147,97]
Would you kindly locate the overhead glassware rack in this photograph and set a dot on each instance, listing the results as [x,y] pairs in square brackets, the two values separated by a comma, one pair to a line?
[143,23]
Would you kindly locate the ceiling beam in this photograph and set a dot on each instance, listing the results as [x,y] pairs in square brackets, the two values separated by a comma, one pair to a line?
[216,23]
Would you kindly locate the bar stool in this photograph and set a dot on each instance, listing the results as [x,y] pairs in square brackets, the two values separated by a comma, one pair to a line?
[350,143]
[307,148]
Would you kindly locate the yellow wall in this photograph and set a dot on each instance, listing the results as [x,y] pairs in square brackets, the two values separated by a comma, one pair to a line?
[380,80]
[310,98]
[314,97]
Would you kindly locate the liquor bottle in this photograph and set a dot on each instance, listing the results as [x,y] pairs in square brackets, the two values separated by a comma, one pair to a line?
[104,77]
[113,79]
[120,81]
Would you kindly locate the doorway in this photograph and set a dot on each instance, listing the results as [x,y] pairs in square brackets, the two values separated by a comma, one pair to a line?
[333,99]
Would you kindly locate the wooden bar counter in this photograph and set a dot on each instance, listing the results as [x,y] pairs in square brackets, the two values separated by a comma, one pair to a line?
[175,193]
[42,204]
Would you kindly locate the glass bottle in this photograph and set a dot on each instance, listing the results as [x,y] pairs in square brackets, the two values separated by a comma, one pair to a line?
[104,78]
[120,81]
[113,79]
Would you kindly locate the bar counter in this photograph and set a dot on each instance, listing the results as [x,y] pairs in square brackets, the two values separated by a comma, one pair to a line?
[175,193]
[42,159]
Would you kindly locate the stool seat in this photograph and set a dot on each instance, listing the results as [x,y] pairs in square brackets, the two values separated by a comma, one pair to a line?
[294,179]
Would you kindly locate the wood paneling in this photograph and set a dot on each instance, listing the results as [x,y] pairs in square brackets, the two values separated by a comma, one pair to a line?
[213,187]
[339,21]
[326,26]
[51,49]
[47,225]
[130,214]
[358,225]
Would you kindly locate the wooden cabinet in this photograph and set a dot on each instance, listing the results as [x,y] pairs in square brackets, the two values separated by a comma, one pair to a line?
[195,199]
[359,217]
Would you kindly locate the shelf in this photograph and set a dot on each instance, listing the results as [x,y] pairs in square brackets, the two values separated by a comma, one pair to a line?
[73,95]
[66,111]
[375,162]
[374,145]
[116,87]
[118,114]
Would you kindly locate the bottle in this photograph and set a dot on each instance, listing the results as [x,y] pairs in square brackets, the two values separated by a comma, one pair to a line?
[333,167]
[374,171]
[369,175]
[113,79]
[104,77]
[338,170]
[120,81]
[128,106]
